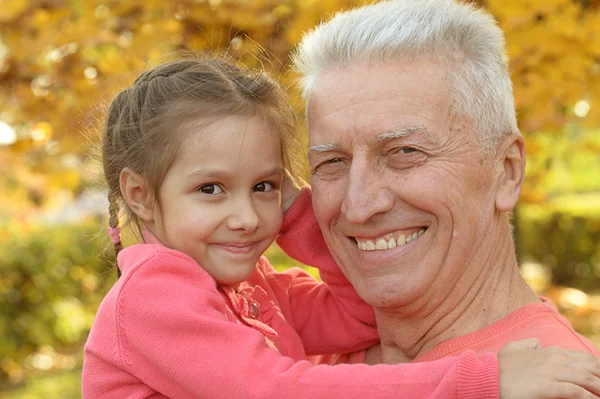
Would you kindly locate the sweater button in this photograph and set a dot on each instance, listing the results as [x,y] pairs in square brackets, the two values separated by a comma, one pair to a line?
[253,309]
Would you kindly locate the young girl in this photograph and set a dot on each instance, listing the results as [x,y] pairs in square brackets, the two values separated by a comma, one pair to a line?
[194,152]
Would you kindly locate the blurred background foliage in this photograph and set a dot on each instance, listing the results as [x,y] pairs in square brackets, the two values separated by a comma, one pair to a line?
[61,61]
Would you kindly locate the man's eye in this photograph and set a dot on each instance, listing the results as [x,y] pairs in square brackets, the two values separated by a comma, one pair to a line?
[264,186]
[405,157]
[211,189]
[329,166]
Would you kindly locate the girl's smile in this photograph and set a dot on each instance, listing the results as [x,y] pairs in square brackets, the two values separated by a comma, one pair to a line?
[237,248]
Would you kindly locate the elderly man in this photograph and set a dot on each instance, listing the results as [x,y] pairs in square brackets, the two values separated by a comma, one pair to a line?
[416,162]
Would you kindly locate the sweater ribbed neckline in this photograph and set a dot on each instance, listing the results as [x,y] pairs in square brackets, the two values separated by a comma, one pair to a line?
[475,338]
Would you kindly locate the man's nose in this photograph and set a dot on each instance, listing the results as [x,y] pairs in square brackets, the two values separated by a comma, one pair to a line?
[244,216]
[366,194]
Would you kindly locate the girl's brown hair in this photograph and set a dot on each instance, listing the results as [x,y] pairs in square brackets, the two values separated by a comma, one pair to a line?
[144,122]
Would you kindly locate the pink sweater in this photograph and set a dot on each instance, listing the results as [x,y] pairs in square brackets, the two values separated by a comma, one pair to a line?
[167,330]
[538,320]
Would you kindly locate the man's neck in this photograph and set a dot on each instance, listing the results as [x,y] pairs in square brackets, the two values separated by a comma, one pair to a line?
[489,289]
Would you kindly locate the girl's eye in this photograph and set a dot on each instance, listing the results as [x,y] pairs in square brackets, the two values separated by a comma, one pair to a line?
[211,189]
[264,187]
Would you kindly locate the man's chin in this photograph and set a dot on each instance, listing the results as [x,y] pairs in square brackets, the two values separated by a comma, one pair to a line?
[392,291]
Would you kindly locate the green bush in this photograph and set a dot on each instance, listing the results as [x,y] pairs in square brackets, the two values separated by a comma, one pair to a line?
[52,279]
[64,385]
[564,241]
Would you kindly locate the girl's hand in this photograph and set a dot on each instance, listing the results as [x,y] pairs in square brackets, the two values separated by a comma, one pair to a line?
[529,371]
[290,191]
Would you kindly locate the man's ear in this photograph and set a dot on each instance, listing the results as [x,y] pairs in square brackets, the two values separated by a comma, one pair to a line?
[511,165]
[137,194]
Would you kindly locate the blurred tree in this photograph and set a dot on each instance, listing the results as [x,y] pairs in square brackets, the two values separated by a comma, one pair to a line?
[554,52]
[61,59]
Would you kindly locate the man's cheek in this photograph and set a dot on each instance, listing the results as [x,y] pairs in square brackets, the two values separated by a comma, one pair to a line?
[319,199]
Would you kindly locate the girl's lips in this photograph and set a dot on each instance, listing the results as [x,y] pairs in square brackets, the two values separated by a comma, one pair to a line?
[237,248]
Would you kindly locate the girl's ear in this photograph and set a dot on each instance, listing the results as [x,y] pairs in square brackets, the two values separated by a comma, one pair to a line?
[137,195]
[512,172]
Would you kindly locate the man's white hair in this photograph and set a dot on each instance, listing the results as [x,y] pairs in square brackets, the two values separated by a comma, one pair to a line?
[466,39]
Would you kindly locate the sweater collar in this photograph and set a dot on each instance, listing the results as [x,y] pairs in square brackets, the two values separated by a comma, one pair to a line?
[134,254]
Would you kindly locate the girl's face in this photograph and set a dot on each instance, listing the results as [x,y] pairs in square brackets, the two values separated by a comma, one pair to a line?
[220,200]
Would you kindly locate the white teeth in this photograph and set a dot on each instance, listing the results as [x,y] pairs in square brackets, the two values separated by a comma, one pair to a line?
[401,240]
[382,244]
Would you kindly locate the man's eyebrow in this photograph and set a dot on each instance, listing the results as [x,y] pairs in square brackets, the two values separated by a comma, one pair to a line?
[399,133]
[396,134]
[323,148]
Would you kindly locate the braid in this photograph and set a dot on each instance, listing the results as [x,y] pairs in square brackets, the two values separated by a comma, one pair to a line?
[113,222]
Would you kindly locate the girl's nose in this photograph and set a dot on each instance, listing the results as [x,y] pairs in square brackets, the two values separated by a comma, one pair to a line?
[244,217]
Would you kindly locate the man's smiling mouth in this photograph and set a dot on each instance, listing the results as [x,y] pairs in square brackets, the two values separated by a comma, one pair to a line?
[389,241]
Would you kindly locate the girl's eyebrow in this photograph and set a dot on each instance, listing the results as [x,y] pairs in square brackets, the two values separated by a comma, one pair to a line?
[277,170]
[223,173]
[207,172]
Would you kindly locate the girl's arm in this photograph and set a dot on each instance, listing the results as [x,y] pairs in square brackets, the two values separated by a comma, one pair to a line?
[174,336]
[330,317]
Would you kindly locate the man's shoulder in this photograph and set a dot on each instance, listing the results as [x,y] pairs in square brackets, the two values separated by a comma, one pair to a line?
[552,328]
[539,320]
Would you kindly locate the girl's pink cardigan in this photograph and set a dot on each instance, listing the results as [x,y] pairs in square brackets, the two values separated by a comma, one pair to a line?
[166,330]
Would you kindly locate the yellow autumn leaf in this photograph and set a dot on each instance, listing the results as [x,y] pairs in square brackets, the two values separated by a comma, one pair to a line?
[11,9]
